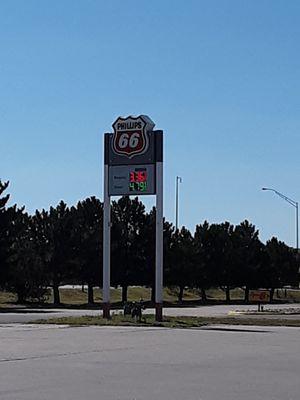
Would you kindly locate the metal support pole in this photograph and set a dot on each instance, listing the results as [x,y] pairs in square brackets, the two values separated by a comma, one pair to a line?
[106,247]
[176,205]
[178,180]
[297,229]
[159,244]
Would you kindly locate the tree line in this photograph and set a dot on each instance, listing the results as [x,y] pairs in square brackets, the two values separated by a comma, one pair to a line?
[63,245]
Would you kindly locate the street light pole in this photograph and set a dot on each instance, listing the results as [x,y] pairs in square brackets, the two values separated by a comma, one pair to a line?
[292,203]
[178,180]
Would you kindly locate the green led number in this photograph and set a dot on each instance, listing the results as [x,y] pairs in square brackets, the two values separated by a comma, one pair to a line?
[143,186]
[137,186]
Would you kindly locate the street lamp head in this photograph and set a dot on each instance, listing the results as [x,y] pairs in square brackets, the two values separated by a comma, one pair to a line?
[292,203]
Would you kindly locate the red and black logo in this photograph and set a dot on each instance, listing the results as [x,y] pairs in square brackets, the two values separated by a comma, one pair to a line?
[130,136]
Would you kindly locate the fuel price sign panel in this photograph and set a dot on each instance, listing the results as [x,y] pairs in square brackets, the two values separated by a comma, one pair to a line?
[131,180]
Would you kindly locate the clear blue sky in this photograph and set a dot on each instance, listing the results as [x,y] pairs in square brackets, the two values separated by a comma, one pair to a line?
[221,78]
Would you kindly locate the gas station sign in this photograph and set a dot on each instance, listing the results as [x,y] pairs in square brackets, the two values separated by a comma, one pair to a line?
[131,136]
[133,165]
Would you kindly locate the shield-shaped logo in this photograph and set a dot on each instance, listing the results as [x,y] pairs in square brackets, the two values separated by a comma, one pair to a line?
[130,135]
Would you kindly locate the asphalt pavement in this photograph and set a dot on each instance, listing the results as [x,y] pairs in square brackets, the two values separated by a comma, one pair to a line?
[42,362]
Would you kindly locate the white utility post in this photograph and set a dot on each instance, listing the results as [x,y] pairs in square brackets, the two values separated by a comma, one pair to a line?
[106,247]
[159,243]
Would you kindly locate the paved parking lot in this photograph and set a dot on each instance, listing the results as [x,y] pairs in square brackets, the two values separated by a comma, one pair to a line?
[113,363]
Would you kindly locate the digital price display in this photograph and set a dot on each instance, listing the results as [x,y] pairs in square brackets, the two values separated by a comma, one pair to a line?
[131,179]
[138,180]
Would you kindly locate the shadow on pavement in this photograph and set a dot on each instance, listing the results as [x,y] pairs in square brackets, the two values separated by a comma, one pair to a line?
[23,310]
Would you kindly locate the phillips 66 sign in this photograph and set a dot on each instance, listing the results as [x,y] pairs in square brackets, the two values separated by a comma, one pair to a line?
[133,165]
[130,135]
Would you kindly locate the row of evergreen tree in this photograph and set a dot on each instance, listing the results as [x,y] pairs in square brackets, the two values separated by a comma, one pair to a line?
[64,246]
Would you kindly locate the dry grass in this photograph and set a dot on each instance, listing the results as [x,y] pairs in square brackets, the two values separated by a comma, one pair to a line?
[6,298]
[77,297]
[135,293]
[168,322]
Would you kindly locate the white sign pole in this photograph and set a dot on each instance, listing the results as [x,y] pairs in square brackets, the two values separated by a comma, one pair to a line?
[159,244]
[106,247]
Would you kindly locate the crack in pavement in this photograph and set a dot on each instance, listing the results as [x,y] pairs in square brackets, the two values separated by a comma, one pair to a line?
[72,353]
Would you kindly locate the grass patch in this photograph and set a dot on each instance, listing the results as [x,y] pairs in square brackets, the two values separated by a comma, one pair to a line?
[135,293]
[7,298]
[75,297]
[168,322]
